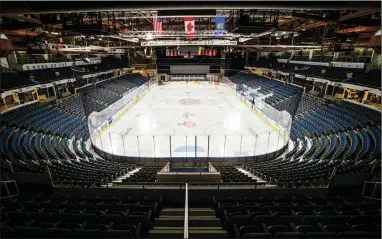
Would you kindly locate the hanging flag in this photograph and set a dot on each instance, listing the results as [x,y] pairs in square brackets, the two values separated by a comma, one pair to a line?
[189,27]
[158,25]
[219,25]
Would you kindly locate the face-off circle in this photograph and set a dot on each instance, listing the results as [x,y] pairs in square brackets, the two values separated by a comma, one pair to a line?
[189,124]
[189,101]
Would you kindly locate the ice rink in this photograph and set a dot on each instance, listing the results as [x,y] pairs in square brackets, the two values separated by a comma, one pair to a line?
[190,121]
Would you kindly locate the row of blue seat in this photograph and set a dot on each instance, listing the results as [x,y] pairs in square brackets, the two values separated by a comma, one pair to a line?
[24,144]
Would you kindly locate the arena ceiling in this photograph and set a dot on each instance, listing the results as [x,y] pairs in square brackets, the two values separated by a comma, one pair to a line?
[252,24]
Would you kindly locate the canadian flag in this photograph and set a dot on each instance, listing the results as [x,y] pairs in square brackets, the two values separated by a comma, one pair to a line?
[189,26]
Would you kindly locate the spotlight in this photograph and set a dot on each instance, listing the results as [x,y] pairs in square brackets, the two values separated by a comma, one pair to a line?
[86,60]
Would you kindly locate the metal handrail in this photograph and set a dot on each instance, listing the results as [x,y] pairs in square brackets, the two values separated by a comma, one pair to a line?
[7,189]
[373,192]
[166,168]
[10,165]
[211,168]
[50,176]
[185,236]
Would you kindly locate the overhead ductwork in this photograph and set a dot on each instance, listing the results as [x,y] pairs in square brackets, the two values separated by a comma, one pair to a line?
[23,7]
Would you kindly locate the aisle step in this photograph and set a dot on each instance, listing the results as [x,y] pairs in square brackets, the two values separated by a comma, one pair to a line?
[204,233]
[166,233]
[201,212]
[172,212]
[203,221]
[169,221]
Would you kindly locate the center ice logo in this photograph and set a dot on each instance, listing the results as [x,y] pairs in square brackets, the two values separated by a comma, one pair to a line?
[189,101]
[188,124]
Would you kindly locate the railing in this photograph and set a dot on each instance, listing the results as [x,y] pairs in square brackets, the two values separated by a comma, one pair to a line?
[10,165]
[166,168]
[22,60]
[191,185]
[50,175]
[185,236]
[211,168]
[372,196]
[218,186]
[8,193]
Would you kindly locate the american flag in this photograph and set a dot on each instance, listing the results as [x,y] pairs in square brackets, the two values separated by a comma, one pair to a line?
[158,25]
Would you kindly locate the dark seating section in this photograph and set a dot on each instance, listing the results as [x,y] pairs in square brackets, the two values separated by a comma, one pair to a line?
[231,174]
[102,95]
[267,62]
[367,78]
[54,74]
[279,95]
[76,173]
[371,78]
[57,216]
[14,80]
[299,217]
[145,174]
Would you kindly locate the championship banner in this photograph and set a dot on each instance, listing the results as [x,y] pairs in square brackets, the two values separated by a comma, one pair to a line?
[189,27]
[220,25]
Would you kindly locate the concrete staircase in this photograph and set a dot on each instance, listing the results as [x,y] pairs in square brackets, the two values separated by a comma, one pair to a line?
[250,174]
[127,175]
[170,224]
[203,223]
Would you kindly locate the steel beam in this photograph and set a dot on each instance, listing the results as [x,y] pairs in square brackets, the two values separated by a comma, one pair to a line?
[358,30]
[309,26]
[23,18]
[206,33]
[358,14]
